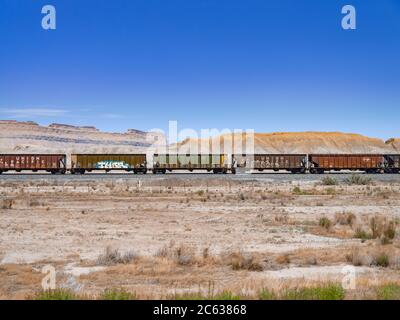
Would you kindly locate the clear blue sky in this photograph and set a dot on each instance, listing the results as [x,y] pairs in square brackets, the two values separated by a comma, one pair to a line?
[282,65]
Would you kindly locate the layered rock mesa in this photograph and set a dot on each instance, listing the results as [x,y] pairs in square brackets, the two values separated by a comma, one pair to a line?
[29,137]
[292,143]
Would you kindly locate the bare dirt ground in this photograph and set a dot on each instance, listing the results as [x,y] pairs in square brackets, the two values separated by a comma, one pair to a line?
[162,237]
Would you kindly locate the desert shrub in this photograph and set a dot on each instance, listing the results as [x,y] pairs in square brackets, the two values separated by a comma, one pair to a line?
[33,202]
[281,218]
[385,240]
[6,203]
[381,260]
[330,191]
[162,252]
[375,227]
[361,234]
[187,296]
[206,252]
[358,180]
[114,294]
[359,257]
[283,259]
[389,291]
[345,218]
[389,230]
[326,292]
[184,255]
[113,256]
[264,197]
[266,294]
[297,190]
[381,227]
[57,294]
[354,259]
[181,255]
[238,261]
[325,223]
[329,181]
[226,295]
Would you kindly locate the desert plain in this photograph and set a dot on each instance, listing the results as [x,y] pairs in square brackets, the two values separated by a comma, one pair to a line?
[262,236]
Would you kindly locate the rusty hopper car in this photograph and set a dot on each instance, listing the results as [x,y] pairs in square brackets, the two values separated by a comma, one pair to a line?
[80,163]
[371,163]
[54,163]
[392,163]
[295,163]
[216,163]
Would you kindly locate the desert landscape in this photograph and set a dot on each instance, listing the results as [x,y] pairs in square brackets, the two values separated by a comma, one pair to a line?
[30,137]
[157,151]
[175,237]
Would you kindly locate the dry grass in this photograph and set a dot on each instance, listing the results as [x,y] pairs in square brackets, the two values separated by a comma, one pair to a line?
[271,222]
[181,255]
[240,261]
[112,256]
[377,255]
[6,203]
[345,218]
[380,227]
[318,291]
[329,181]
[358,180]
[325,223]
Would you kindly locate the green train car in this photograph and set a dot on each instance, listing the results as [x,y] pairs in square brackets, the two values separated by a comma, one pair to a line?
[217,163]
[80,163]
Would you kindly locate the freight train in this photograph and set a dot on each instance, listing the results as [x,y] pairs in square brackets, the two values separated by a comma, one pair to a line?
[216,163]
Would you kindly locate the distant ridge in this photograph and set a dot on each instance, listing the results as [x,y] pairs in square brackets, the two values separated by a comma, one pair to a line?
[28,136]
[299,142]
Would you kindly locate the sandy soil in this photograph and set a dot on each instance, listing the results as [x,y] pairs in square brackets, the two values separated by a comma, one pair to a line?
[183,235]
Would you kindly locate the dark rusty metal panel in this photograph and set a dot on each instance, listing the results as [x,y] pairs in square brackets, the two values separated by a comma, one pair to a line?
[346,161]
[32,161]
[276,161]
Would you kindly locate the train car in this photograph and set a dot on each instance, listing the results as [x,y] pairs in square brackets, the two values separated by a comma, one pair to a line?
[217,163]
[54,163]
[392,163]
[80,163]
[370,163]
[295,163]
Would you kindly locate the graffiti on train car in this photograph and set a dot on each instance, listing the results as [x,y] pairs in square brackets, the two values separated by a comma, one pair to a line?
[109,164]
